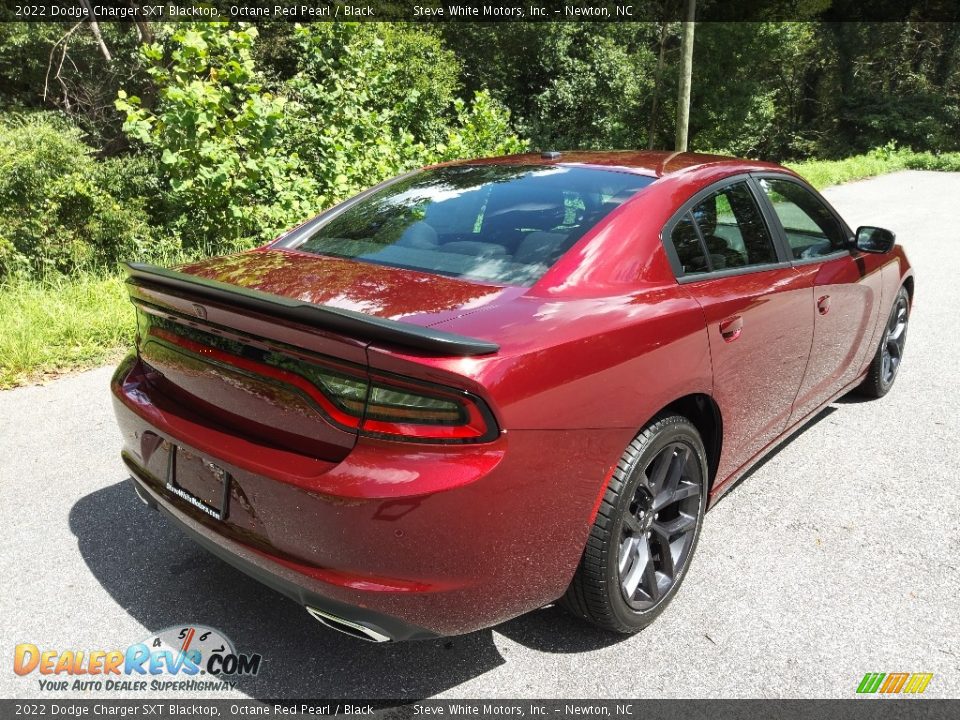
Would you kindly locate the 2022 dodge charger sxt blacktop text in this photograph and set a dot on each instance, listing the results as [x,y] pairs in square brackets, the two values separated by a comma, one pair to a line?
[481,387]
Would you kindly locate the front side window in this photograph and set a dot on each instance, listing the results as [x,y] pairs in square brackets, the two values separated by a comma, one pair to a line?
[732,229]
[498,223]
[811,229]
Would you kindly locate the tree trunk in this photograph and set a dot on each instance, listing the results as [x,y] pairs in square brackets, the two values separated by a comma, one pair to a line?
[144,31]
[95,29]
[686,75]
[657,82]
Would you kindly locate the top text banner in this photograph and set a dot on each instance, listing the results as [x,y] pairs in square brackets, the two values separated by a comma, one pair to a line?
[129,11]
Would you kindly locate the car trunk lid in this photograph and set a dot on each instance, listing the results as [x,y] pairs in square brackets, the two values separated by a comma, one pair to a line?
[272,345]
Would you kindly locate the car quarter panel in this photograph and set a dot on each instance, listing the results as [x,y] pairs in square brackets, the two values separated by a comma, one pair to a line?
[501,541]
[608,362]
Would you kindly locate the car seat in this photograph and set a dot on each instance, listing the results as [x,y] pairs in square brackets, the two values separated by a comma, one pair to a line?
[721,254]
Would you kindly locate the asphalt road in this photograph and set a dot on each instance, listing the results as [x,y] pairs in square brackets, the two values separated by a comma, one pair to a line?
[838,556]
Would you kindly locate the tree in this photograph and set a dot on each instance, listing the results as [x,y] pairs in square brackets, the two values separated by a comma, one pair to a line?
[245,154]
[686,77]
[220,139]
[567,85]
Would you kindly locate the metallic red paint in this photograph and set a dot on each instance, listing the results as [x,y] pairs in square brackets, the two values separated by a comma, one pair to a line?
[451,538]
[414,297]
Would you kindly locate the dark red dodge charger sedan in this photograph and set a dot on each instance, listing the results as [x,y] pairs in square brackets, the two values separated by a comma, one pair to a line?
[485,386]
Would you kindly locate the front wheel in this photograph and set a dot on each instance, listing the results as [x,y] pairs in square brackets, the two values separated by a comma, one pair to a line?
[886,361]
[646,529]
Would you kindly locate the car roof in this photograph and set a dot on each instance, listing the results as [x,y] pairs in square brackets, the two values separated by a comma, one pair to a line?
[651,163]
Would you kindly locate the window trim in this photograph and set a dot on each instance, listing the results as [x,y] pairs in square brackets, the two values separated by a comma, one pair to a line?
[756,177]
[776,236]
[672,252]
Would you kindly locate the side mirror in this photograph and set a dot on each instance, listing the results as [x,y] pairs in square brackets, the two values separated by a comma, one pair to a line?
[875,239]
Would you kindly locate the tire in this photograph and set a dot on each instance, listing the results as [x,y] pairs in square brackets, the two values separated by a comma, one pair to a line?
[886,362]
[629,531]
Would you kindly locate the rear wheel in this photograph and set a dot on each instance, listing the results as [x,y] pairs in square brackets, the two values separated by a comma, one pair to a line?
[886,362]
[646,529]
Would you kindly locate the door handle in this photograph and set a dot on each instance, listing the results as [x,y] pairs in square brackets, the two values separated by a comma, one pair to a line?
[731,328]
[823,304]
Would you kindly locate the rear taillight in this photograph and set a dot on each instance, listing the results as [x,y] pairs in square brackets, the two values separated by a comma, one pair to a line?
[418,413]
[376,405]
[395,408]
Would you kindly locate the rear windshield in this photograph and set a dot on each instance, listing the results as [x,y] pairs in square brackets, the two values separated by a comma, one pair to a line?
[498,223]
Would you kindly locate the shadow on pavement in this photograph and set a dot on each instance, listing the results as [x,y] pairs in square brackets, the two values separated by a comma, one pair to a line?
[162,578]
[820,416]
[852,398]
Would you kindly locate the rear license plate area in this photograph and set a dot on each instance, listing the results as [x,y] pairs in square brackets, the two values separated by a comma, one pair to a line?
[199,482]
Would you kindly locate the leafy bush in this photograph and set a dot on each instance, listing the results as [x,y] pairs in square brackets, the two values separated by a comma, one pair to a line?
[219,139]
[372,103]
[947,162]
[481,128]
[239,162]
[568,85]
[56,212]
[346,122]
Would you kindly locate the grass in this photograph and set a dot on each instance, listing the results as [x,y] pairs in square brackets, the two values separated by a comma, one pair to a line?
[823,173]
[55,326]
[50,327]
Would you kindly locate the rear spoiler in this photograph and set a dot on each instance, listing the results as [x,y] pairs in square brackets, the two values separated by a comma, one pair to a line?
[347,322]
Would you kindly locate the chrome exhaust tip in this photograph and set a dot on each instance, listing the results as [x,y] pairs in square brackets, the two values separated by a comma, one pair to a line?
[347,627]
[142,495]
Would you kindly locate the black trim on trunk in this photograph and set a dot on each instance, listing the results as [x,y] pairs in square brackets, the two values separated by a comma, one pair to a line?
[348,322]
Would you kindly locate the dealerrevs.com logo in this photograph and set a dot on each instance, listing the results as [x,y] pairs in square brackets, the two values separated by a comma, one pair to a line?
[188,658]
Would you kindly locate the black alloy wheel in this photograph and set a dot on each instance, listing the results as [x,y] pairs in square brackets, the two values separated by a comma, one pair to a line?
[646,530]
[889,355]
[894,340]
[658,529]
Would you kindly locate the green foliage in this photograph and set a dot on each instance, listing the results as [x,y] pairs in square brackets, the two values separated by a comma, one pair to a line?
[597,91]
[219,139]
[348,126]
[769,89]
[372,103]
[244,154]
[406,69]
[569,85]
[51,65]
[944,162]
[481,128]
[886,159]
[61,323]
[60,210]
[745,79]
[889,81]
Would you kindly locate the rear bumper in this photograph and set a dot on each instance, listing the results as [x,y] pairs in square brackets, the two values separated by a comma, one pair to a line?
[411,540]
[237,555]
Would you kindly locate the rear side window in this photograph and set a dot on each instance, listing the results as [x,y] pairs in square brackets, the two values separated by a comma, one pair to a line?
[811,229]
[731,230]
[690,252]
[500,223]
